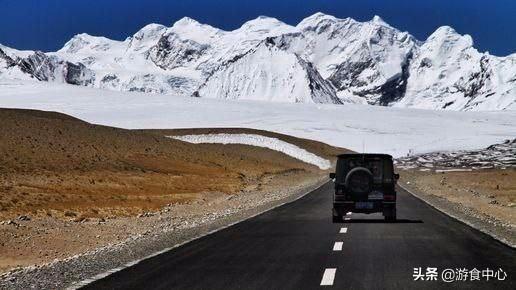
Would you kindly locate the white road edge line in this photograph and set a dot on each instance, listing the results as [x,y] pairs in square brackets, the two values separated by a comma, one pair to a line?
[328,277]
[337,246]
[102,275]
[343,230]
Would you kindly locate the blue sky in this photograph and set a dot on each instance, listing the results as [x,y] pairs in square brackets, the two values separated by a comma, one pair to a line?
[47,24]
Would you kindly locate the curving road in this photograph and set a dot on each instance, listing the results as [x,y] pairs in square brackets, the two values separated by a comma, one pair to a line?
[296,246]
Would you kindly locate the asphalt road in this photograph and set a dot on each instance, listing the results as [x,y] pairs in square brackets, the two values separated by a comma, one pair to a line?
[296,246]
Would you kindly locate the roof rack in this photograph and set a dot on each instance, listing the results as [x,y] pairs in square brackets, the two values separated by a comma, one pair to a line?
[365,155]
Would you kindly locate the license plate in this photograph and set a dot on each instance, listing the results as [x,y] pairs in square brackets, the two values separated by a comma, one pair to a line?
[364,205]
[376,195]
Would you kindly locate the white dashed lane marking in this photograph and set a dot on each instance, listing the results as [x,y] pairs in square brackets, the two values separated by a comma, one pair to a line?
[347,219]
[337,246]
[343,230]
[328,276]
[348,213]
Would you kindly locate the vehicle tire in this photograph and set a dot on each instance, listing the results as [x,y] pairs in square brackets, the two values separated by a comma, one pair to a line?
[359,180]
[391,215]
[337,219]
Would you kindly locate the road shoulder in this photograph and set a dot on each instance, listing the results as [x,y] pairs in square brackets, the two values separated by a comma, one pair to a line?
[489,225]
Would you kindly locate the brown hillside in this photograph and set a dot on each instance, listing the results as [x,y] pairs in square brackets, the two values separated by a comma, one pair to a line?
[53,164]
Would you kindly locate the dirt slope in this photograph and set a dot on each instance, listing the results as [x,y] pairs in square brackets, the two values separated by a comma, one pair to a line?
[50,161]
[67,186]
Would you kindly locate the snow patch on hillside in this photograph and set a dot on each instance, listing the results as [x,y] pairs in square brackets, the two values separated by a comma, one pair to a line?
[259,141]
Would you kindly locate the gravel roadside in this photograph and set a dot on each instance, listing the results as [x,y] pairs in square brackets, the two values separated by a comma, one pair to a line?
[166,229]
[499,230]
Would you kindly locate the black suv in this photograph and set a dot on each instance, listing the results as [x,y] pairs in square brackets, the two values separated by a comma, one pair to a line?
[364,183]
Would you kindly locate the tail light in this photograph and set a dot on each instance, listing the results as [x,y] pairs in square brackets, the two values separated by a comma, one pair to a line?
[389,197]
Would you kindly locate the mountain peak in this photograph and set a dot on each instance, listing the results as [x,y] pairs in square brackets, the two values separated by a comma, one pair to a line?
[315,19]
[186,21]
[378,20]
[445,30]
[146,36]
[263,22]
[447,34]
[194,30]
[83,40]
[76,43]
[82,36]
[265,26]
[320,15]
[149,30]
[264,17]
[151,27]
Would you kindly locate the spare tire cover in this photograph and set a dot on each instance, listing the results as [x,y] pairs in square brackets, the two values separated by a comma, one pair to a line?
[359,180]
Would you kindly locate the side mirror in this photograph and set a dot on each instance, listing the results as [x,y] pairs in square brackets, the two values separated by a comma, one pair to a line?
[396,176]
[332,175]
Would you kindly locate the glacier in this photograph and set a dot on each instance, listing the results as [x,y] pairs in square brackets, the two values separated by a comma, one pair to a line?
[362,128]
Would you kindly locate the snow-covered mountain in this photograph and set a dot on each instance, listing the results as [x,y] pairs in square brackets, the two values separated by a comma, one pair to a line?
[323,59]
[42,67]
[269,73]
[447,72]
[361,59]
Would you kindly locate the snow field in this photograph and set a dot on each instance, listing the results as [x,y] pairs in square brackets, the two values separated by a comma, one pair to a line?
[362,128]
